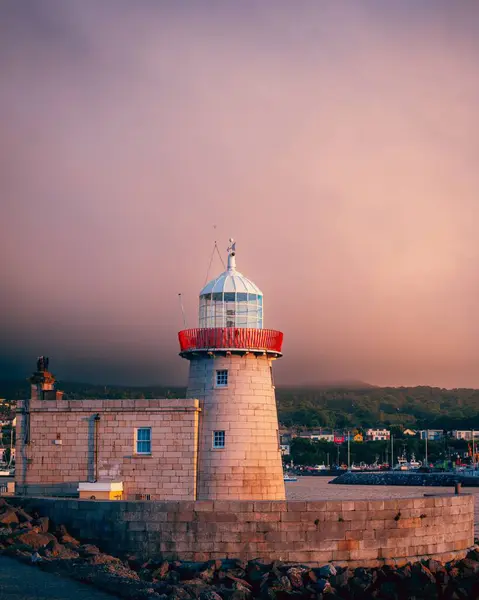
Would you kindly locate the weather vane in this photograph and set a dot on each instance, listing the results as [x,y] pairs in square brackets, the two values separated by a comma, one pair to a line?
[232,246]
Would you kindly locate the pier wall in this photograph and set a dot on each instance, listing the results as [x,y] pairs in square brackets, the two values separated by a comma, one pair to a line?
[357,533]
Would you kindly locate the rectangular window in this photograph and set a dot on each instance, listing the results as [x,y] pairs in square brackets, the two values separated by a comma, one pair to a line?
[222,378]
[143,440]
[218,439]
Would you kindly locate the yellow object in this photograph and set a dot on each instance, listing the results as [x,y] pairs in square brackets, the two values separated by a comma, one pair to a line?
[101,490]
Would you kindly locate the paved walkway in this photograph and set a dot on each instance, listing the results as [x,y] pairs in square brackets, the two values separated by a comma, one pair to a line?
[22,582]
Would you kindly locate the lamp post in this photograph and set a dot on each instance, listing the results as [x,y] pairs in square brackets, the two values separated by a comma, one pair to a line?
[427,435]
[349,451]
[392,451]
[473,450]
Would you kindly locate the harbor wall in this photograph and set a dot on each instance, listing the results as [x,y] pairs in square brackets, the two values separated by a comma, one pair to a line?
[357,533]
[397,478]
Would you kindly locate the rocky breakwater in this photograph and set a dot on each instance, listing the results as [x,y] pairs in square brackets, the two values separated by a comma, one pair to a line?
[47,545]
[399,478]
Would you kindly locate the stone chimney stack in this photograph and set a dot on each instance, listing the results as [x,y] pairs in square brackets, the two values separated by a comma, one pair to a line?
[43,382]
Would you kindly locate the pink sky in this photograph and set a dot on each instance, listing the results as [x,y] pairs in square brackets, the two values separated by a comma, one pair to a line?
[336,141]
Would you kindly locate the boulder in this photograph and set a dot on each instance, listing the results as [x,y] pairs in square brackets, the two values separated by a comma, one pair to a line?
[35,540]
[41,524]
[327,571]
[161,571]
[8,516]
[295,575]
[56,550]
[87,550]
[64,537]
[22,515]
[102,559]
[207,574]
[210,595]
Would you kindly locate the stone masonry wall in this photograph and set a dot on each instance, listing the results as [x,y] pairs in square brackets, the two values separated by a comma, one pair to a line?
[249,467]
[62,442]
[358,533]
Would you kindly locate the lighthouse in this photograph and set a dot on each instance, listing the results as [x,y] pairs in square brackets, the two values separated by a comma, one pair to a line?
[231,357]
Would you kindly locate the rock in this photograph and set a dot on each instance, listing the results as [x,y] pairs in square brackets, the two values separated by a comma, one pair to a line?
[473,554]
[187,570]
[433,565]
[322,585]
[8,516]
[238,582]
[240,592]
[342,577]
[311,576]
[469,567]
[64,537]
[207,574]
[42,524]
[327,571]
[22,515]
[102,559]
[389,590]
[56,550]
[35,540]
[421,574]
[295,575]
[145,574]
[210,595]
[161,571]
[88,549]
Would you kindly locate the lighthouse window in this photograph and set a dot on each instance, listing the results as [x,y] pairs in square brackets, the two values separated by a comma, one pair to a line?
[222,378]
[218,439]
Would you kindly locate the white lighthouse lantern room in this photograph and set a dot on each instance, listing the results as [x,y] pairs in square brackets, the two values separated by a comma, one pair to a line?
[231,357]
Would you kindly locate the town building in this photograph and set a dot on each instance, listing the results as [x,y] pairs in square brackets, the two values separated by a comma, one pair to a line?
[432,435]
[409,432]
[325,436]
[285,449]
[220,442]
[467,434]
[374,435]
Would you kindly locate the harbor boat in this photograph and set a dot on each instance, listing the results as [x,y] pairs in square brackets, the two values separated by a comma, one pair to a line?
[287,477]
[405,465]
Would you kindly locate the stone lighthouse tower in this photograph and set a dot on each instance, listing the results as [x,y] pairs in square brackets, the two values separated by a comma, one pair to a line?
[231,358]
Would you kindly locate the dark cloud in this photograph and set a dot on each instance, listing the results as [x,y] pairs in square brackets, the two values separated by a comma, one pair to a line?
[335,141]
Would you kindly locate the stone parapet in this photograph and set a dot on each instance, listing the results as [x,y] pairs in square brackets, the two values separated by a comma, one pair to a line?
[356,533]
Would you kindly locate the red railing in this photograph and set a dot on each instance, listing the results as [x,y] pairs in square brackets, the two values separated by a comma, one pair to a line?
[230,338]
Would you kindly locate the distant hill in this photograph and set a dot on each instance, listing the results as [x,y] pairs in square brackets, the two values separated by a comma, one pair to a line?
[335,405]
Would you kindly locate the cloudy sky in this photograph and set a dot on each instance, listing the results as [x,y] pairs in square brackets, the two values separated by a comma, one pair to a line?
[336,140]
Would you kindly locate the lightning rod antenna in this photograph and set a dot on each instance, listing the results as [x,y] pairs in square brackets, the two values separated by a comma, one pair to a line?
[180,298]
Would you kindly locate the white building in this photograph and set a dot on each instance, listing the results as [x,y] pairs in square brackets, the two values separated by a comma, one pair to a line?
[431,434]
[465,434]
[325,436]
[375,435]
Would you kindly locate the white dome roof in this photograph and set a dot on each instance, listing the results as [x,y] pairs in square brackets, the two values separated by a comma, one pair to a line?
[231,280]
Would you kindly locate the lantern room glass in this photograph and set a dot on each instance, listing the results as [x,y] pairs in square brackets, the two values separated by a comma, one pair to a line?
[231,309]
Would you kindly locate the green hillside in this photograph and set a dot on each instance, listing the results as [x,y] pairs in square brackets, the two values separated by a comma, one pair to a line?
[322,406]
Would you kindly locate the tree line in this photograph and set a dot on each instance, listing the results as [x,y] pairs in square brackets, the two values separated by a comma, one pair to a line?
[330,407]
